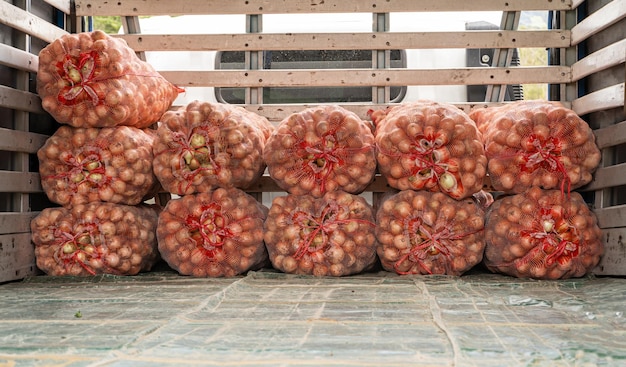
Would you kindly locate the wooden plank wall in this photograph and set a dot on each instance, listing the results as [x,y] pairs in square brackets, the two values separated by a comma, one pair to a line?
[25,28]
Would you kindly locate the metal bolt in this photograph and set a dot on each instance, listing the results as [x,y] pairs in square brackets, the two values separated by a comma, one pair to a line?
[485,58]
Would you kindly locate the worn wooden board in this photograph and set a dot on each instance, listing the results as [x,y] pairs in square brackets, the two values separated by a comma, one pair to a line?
[613,261]
[20,141]
[17,257]
[142,7]
[368,77]
[22,182]
[20,100]
[346,41]
[28,23]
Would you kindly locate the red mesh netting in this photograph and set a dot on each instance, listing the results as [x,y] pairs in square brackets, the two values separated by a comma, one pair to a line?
[321,149]
[426,145]
[95,238]
[213,234]
[91,79]
[536,143]
[81,165]
[421,232]
[207,145]
[332,235]
[542,234]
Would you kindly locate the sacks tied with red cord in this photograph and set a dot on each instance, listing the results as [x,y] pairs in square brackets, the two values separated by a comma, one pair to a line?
[213,234]
[328,236]
[81,165]
[91,79]
[542,234]
[96,238]
[421,232]
[203,146]
[426,145]
[536,143]
[321,149]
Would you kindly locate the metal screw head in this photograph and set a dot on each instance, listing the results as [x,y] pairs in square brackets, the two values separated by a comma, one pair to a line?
[485,58]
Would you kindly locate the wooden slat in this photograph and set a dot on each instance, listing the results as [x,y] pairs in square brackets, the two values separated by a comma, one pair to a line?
[611,135]
[20,100]
[605,177]
[613,262]
[346,41]
[20,141]
[603,99]
[601,19]
[167,7]
[18,59]
[368,77]
[28,23]
[17,257]
[602,59]
[16,222]
[278,112]
[20,182]
[62,5]
[612,217]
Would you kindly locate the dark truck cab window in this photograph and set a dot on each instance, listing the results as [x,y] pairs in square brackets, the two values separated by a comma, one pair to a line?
[308,59]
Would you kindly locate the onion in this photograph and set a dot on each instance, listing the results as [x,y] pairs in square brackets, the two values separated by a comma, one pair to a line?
[444,237]
[319,150]
[542,234]
[434,152]
[332,235]
[214,234]
[90,239]
[541,144]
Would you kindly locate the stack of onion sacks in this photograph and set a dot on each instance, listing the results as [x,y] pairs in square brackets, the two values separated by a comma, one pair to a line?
[536,143]
[321,149]
[213,234]
[203,146]
[542,234]
[421,232]
[91,79]
[431,146]
[82,165]
[328,236]
[95,238]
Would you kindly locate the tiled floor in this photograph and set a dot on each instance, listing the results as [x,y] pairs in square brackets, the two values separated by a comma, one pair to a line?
[273,319]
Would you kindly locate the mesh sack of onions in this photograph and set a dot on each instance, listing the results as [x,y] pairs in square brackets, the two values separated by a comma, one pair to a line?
[431,146]
[113,164]
[536,143]
[205,145]
[321,149]
[542,234]
[91,79]
[422,232]
[213,234]
[332,235]
[96,238]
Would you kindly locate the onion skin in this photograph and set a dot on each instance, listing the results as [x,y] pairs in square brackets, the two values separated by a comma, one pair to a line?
[85,244]
[542,234]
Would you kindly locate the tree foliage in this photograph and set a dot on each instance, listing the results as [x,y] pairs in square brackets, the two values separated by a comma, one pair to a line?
[109,24]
